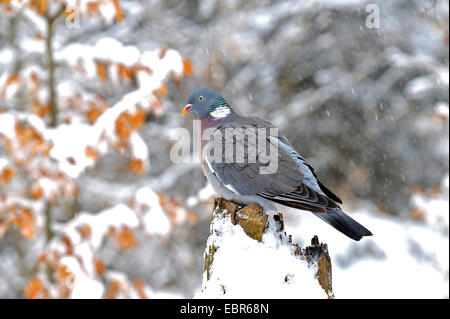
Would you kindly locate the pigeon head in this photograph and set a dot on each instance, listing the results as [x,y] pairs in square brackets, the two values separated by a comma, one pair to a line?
[206,102]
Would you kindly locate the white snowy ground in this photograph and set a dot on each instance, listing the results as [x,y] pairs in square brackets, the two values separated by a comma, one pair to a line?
[403,259]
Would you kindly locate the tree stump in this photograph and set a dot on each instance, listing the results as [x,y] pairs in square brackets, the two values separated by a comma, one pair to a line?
[249,254]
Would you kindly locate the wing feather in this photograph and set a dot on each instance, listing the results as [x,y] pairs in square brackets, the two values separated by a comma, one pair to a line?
[293,184]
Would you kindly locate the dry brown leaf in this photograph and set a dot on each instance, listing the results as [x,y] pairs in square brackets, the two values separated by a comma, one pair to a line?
[114,288]
[68,244]
[417,214]
[125,238]
[36,192]
[188,67]
[119,13]
[24,220]
[127,123]
[102,70]
[85,231]
[91,153]
[125,73]
[161,91]
[93,113]
[140,288]
[13,79]
[137,166]
[100,267]
[6,174]
[93,7]
[35,290]
[63,275]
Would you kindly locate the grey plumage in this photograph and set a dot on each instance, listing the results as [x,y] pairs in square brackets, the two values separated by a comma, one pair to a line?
[237,175]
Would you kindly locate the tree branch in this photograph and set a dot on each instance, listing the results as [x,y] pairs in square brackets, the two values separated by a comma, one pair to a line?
[52,67]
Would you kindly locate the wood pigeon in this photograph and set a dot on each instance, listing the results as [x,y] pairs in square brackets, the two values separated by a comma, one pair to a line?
[234,159]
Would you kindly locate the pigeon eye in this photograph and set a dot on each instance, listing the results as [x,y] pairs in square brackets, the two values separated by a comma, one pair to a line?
[201,97]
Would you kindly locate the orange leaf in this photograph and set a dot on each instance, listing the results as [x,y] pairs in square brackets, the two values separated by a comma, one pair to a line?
[188,67]
[42,258]
[37,192]
[6,174]
[42,6]
[92,7]
[126,123]
[68,245]
[124,73]
[137,166]
[26,134]
[64,275]
[13,79]
[102,70]
[39,5]
[46,148]
[90,152]
[71,160]
[123,128]
[119,12]
[25,222]
[99,267]
[114,287]
[140,287]
[39,109]
[35,289]
[85,231]
[417,214]
[161,91]
[138,119]
[125,238]
[70,12]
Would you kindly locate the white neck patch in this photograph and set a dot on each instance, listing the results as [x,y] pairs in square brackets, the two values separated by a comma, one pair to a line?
[221,112]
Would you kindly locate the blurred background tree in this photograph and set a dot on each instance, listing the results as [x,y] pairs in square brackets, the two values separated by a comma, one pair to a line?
[90,91]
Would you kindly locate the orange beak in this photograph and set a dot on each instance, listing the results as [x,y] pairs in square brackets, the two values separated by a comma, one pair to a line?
[186,109]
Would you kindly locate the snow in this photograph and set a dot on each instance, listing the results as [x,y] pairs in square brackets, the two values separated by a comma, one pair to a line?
[83,279]
[263,43]
[419,86]
[403,259]
[117,216]
[441,108]
[3,163]
[436,209]
[245,268]
[83,286]
[155,220]
[70,141]
[109,49]
[204,194]
[6,56]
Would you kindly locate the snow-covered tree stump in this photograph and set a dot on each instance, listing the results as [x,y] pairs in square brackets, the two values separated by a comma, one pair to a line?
[249,255]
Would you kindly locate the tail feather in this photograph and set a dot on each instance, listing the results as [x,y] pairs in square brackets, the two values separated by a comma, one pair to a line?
[344,223]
